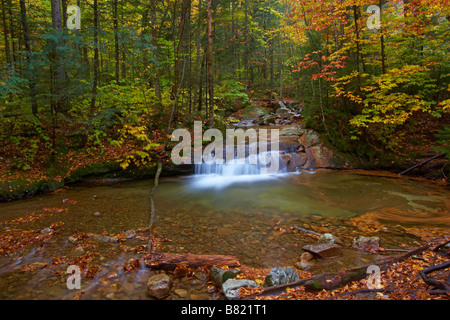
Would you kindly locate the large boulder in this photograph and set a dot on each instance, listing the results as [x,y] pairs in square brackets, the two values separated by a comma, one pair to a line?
[253,112]
[310,138]
[279,276]
[159,286]
[283,111]
[291,131]
[319,157]
[231,287]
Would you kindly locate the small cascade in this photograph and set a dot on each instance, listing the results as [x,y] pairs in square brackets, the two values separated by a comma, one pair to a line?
[250,169]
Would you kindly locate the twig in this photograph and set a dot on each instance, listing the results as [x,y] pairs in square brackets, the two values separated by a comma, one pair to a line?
[306,230]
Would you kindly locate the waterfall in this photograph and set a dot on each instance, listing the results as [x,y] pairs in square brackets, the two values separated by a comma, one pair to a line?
[238,170]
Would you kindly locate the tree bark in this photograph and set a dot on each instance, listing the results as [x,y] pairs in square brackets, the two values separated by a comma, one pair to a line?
[31,78]
[116,41]
[95,80]
[166,261]
[57,59]
[210,66]
[156,50]
[5,34]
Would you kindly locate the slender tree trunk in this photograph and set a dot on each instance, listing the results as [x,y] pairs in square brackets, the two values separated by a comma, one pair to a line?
[11,30]
[5,34]
[57,59]
[31,79]
[383,54]
[210,66]
[246,53]
[64,12]
[355,16]
[200,88]
[95,80]
[116,40]
[198,67]
[156,50]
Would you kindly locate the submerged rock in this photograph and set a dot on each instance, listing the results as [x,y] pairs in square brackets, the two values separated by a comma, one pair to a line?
[326,238]
[104,239]
[279,276]
[366,243]
[231,287]
[159,286]
[324,250]
[304,265]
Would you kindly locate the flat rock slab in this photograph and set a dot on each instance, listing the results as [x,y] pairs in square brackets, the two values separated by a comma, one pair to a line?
[324,250]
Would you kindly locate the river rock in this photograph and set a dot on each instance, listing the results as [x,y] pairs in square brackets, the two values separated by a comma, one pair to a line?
[304,265]
[326,238]
[306,256]
[253,112]
[324,250]
[283,111]
[72,240]
[282,104]
[78,251]
[96,214]
[231,287]
[181,293]
[366,243]
[129,234]
[159,286]
[104,239]
[219,276]
[279,276]
[291,131]
[46,230]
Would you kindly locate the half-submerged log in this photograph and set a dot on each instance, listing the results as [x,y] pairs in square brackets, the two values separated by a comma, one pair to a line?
[422,163]
[165,261]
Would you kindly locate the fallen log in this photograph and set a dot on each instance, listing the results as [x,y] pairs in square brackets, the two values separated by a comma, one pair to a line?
[166,261]
[331,281]
[422,163]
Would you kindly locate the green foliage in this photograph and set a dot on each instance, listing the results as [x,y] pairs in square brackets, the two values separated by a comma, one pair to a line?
[231,95]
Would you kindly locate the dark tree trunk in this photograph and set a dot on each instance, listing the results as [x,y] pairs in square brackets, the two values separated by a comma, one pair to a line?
[210,66]
[31,78]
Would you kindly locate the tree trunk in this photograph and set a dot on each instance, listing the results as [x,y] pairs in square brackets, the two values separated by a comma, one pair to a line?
[116,41]
[198,66]
[31,79]
[95,80]
[166,261]
[57,59]
[210,66]
[156,50]
[5,33]
[383,54]
[64,12]
[355,16]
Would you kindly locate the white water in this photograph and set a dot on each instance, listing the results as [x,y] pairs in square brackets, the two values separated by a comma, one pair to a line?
[219,176]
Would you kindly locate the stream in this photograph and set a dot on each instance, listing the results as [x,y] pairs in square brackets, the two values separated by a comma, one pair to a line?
[244,215]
